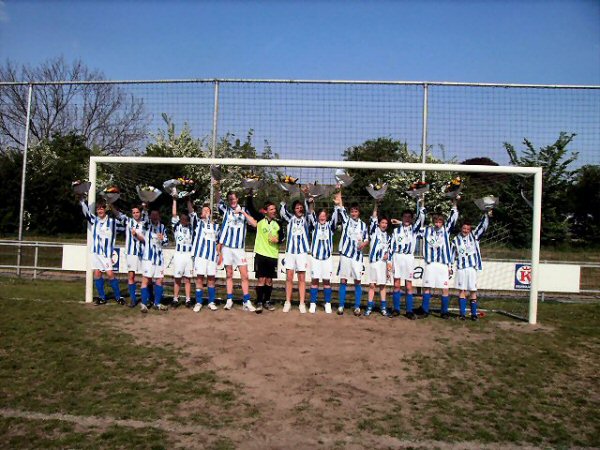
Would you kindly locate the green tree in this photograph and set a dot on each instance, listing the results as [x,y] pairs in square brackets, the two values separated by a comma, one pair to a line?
[584,197]
[11,162]
[49,200]
[555,160]
[385,149]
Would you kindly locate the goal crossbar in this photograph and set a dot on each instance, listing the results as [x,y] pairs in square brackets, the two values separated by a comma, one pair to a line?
[536,172]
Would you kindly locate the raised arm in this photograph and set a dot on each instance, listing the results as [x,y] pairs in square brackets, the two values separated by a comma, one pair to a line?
[420,220]
[284,212]
[452,218]
[374,220]
[257,215]
[91,218]
[174,208]
[251,220]
[482,227]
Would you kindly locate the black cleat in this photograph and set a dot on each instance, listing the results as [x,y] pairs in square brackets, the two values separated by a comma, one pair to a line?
[462,317]
[395,313]
[445,316]
[259,308]
[270,306]
[100,301]
[121,301]
[411,316]
[189,304]
[474,318]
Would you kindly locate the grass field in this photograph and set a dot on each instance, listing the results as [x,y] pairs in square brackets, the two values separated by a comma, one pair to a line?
[78,376]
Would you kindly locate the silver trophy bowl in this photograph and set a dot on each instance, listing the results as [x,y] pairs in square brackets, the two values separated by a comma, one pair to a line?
[416,193]
[81,187]
[251,183]
[377,194]
[487,203]
[215,173]
[343,178]
[147,193]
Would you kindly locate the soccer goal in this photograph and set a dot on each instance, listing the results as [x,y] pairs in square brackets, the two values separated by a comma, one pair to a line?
[395,186]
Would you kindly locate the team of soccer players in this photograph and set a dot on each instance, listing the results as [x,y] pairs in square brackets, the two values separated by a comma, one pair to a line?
[201,245]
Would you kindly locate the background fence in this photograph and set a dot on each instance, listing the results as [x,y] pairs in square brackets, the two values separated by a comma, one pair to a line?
[451,122]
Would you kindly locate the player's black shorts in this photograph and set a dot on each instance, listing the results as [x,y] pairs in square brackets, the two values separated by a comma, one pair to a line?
[265,267]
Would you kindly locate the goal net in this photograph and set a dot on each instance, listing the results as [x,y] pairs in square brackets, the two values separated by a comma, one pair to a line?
[509,281]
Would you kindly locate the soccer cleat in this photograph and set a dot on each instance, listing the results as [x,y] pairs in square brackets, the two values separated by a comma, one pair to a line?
[161,307]
[368,312]
[357,312]
[212,306]
[132,304]
[188,303]
[175,303]
[287,306]
[259,308]
[445,316]
[395,313]
[312,308]
[121,301]
[340,311]
[143,308]
[302,308]
[419,311]
[197,307]
[384,312]
[100,301]
[269,305]
[228,304]
[474,318]
[248,306]
[462,317]
[411,316]
[327,308]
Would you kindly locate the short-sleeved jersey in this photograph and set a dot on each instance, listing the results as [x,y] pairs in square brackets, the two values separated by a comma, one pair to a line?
[353,233]
[404,238]
[265,229]
[153,250]
[233,228]
[465,249]
[204,244]
[379,241]
[183,235]
[297,231]
[437,241]
[321,246]
[133,245]
[104,231]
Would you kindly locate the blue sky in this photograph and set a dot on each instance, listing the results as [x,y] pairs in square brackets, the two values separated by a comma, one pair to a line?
[494,41]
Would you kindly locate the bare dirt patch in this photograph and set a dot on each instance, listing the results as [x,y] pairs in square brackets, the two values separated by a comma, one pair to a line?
[311,377]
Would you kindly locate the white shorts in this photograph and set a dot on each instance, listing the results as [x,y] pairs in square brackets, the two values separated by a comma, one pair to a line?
[404,266]
[298,262]
[204,267]
[134,263]
[466,279]
[435,276]
[321,269]
[350,269]
[150,270]
[102,263]
[182,265]
[234,257]
[378,272]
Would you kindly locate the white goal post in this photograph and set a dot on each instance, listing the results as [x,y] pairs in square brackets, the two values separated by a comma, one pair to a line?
[536,172]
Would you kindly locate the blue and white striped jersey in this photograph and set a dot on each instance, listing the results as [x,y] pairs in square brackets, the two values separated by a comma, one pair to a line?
[465,249]
[206,234]
[437,241]
[104,231]
[321,246]
[297,231]
[133,246]
[183,235]
[404,238]
[232,233]
[354,232]
[379,241]
[153,250]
